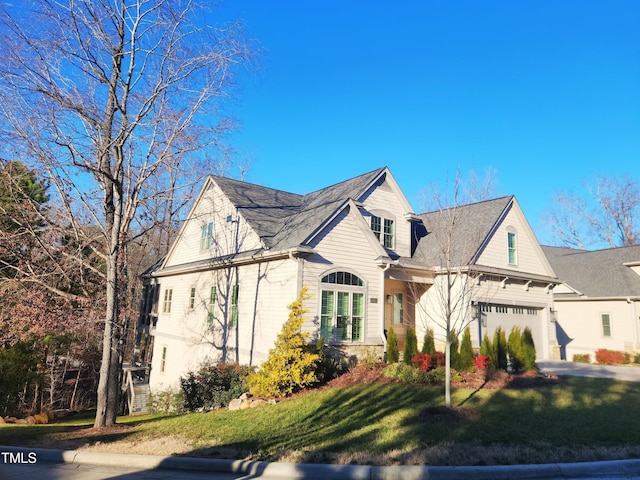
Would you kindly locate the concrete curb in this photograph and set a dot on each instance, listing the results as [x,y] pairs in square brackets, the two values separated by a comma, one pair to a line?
[609,469]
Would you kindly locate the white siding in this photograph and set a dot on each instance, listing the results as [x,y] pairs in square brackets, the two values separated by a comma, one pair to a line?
[530,258]
[343,246]
[265,291]
[579,326]
[384,199]
[229,236]
[429,312]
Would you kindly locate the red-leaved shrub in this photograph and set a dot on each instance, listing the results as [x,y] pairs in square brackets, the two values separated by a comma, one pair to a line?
[423,361]
[481,362]
[610,357]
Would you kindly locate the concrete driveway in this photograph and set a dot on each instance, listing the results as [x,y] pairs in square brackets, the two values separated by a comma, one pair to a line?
[562,367]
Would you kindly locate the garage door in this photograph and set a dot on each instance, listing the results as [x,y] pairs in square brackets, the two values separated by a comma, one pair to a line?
[509,316]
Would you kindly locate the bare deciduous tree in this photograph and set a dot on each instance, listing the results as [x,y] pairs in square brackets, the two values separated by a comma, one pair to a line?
[604,214]
[119,103]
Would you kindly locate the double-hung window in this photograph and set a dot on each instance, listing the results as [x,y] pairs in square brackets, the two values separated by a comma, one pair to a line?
[192,298]
[206,236]
[512,248]
[606,324]
[384,230]
[233,321]
[166,305]
[342,307]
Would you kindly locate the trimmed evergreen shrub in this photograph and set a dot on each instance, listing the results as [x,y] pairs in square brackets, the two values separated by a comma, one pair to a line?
[454,349]
[514,348]
[410,346]
[466,357]
[528,350]
[487,349]
[290,365]
[500,349]
[429,344]
[393,354]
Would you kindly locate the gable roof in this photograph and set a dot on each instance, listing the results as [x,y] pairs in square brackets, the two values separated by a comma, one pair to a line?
[284,220]
[466,226]
[598,273]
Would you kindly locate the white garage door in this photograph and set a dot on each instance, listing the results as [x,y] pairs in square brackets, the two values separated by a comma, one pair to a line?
[509,316]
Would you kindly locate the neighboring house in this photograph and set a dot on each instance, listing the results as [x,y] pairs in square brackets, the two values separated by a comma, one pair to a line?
[245,251]
[597,305]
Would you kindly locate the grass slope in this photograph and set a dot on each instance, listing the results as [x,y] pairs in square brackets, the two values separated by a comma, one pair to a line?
[579,419]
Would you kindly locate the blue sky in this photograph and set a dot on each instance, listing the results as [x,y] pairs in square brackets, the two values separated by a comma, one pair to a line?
[545,93]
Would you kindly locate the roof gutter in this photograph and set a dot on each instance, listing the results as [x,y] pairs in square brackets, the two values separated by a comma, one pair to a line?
[244,258]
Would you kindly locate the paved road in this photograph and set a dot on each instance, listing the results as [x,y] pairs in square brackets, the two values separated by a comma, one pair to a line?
[561,367]
[70,471]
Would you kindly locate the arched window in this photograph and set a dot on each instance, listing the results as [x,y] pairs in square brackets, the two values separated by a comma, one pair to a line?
[342,308]
[343,278]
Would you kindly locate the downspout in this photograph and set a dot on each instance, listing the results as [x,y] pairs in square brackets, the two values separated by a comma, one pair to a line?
[382,305]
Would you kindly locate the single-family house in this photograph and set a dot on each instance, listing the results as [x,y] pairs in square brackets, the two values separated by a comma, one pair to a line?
[370,263]
[597,304]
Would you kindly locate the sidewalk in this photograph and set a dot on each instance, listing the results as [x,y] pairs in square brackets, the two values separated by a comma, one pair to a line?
[55,463]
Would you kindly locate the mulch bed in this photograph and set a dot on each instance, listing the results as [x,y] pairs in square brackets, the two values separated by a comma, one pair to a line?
[361,375]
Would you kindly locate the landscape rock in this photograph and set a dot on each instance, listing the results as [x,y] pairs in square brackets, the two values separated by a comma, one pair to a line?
[235,404]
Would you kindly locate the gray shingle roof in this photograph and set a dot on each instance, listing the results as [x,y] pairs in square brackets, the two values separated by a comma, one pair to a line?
[466,226]
[598,273]
[283,219]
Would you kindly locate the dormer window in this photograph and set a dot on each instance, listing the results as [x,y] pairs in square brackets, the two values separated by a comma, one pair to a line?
[206,236]
[384,230]
[512,248]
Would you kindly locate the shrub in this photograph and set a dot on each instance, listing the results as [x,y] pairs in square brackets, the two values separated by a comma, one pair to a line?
[481,362]
[438,359]
[514,349]
[466,357]
[500,349]
[636,358]
[393,354]
[327,367]
[290,365]
[429,344]
[214,386]
[528,350]
[169,400]
[453,348]
[410,374]
[487,349]
[410,346]
[609,357]
[582,358]
[422,361]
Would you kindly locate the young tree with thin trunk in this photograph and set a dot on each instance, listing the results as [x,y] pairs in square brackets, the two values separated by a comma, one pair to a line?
[446,304]
[119,103]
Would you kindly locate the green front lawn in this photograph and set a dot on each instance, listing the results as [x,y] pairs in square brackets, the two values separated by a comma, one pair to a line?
[579,419]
